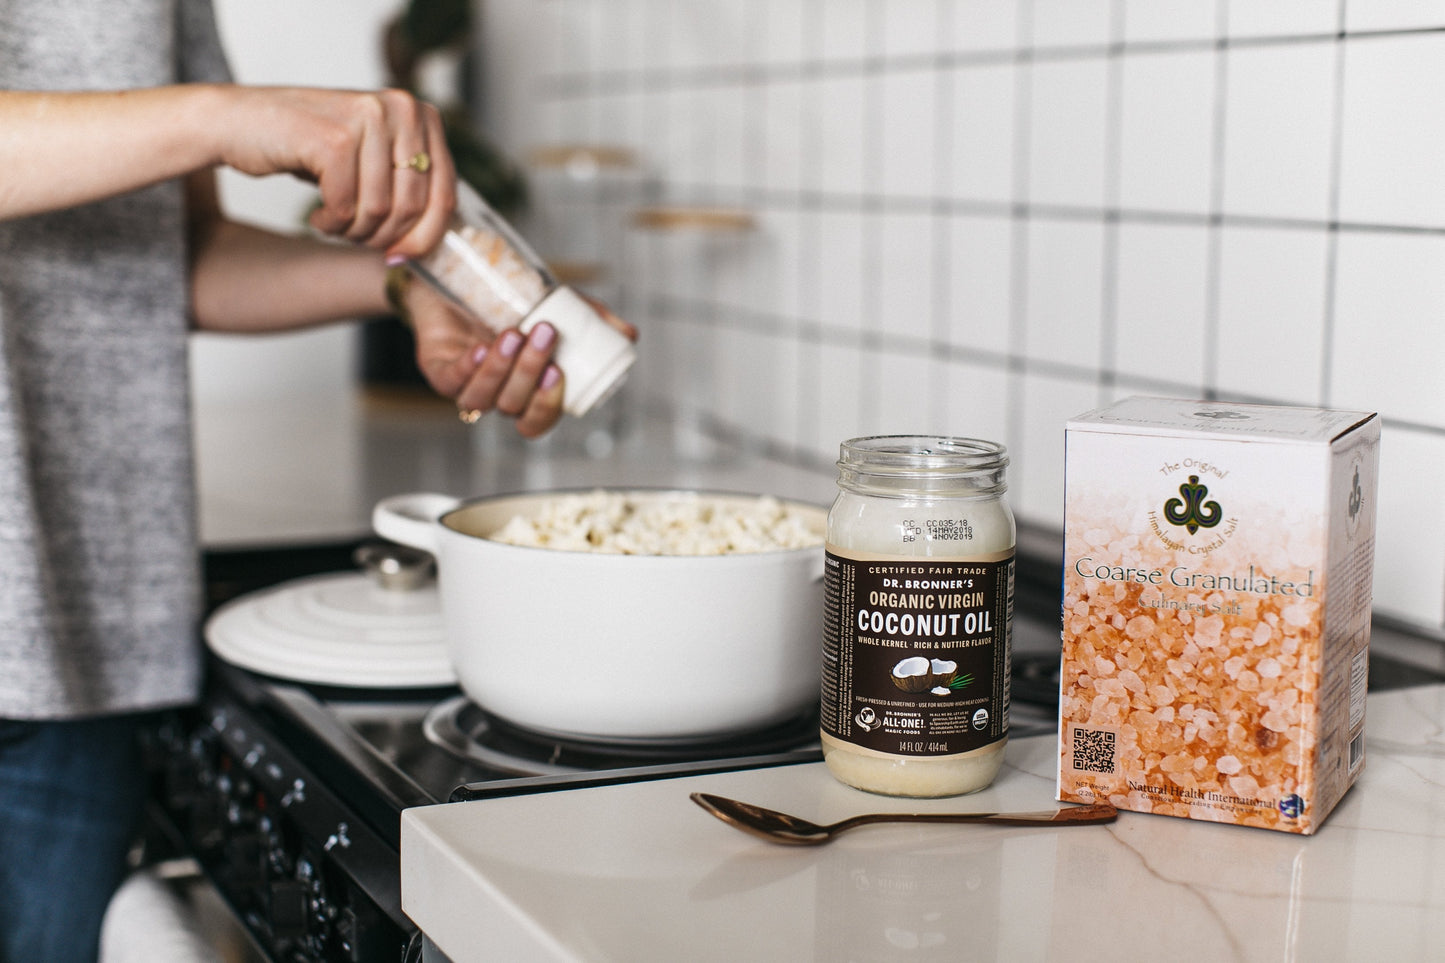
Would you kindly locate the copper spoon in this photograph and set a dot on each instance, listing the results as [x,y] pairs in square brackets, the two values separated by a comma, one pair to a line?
[779,827]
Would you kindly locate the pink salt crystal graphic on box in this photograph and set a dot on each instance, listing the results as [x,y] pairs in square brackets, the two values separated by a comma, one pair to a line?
[1209,669]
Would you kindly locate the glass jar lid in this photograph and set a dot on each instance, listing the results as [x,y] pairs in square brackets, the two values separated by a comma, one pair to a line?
[899,464]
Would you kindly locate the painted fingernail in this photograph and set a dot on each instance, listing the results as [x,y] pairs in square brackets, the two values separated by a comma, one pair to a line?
[509,345]
[480,354]
[395,260]
[542,336]
[550,377]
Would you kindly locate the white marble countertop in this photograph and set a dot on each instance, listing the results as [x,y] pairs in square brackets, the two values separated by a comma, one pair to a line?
[638,872]
[291,471]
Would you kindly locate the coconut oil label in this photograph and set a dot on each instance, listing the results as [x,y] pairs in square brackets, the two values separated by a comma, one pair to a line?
[916,652]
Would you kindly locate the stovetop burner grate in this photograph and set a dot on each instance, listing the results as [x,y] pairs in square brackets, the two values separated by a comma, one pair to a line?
[470,733]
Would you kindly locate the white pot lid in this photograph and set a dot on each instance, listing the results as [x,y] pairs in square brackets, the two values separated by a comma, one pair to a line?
[337,629]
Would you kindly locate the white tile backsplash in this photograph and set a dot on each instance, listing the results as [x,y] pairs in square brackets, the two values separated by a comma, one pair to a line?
[1392,142]
[774,253]
[842,27]
[782,31]
[611,116]
[781,142]
[1389,332]
[684,136]
[985,216]
[564,37]
[1161,315]
[617,35]
[978,287]
[1411,513]
[1392,14]
[1167,131]
[729,111]
[1285,18]
[1278,130]
[653,47]
[981,155]
[839,103]
[550,122]
[750,357]
[838,401]
[1065,272]
[911,28]
[1072,23]
[909,156]
[1068,110]
[1157,21]
[690,33]
[904,405]
[905,292]
[1271,298]
[842,259]
[975,399]
[730,260]
[649,136]
[979,26]
[1036,475]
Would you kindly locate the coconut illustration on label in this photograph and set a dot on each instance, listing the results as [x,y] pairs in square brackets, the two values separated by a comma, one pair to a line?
[939,676]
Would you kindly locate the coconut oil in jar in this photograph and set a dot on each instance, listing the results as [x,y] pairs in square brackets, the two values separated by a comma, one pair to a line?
[919,595]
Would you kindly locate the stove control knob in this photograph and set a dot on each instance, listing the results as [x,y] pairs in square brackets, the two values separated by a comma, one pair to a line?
[289,901]
[207,823]
[180,782]
[246,857]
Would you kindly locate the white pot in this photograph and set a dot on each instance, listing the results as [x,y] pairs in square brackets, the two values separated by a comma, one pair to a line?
[618,647]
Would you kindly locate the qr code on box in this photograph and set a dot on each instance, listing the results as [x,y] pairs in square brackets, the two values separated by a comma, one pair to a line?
[1093,750]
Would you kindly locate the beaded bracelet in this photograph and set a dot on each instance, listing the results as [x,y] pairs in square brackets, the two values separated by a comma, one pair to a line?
[398,280]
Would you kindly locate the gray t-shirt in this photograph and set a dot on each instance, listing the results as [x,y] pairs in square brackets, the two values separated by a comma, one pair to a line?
[99,569]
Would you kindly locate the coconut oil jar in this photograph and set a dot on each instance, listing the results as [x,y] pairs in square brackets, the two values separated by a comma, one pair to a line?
[919,604]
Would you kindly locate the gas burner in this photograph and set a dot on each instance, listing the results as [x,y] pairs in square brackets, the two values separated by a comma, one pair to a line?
[462,728]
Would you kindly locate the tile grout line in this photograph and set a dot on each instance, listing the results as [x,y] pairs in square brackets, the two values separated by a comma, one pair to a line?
[1113,176]
[1214,231]
[1014,417]
[1332,238]
[943,233]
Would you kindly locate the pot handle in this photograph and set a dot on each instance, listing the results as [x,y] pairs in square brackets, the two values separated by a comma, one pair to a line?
[412,519]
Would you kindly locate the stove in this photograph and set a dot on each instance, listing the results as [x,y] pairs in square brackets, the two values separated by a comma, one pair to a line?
[289,796]
[287,791]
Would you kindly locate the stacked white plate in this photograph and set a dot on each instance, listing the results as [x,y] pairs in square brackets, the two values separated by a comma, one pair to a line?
[337,629]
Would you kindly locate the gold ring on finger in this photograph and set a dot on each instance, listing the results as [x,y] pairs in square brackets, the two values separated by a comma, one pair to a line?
[419,162]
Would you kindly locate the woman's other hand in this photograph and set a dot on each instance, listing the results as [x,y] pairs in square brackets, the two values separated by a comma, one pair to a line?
[507,372]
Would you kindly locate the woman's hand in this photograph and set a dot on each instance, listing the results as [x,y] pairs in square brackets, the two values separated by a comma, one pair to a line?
[379,159]
[507,372]
[482,371]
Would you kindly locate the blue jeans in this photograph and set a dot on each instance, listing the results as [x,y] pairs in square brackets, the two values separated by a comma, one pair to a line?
[71,795]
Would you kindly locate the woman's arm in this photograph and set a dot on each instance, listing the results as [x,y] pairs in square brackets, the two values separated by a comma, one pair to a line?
[58,150]
[246,279]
